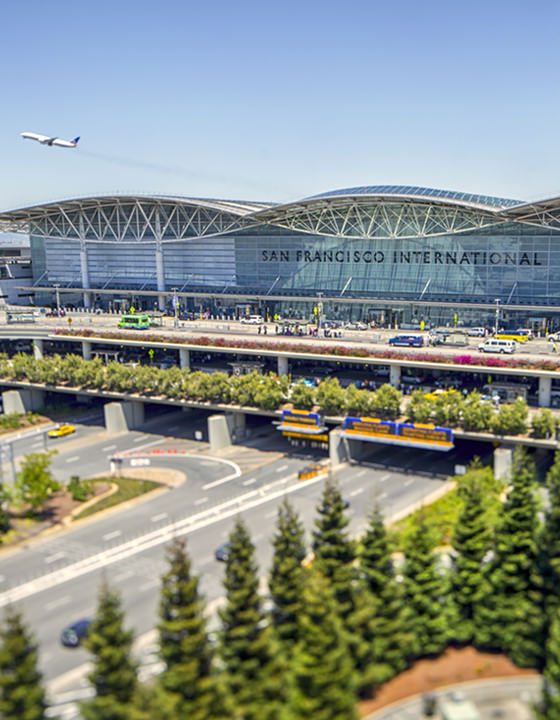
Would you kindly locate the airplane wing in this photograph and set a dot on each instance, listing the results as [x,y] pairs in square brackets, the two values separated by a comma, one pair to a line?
[36,136]
[63,143]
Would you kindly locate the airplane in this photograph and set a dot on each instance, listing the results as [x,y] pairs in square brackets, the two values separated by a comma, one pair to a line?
[46,140]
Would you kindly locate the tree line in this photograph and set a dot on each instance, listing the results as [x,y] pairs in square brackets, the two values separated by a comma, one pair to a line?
[269,392]
[334,629]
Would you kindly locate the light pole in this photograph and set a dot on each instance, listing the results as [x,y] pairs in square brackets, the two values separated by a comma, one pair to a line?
[497,301]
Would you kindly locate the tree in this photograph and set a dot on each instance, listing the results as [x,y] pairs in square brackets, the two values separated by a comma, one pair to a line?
[358,402]
[509,617]
[114,670]
[386,402]
[330,396]
[392,635]
[303,396]
[550,705]
[334,550]
[287,576]
[544,424]
[187,680]
[477,414]
[550,539]
[425,592]
[470,541]
[420,408]
[511,419]
[22,696]
[449,409]
[323,683]
[34,481]
[5,497]
[253,674]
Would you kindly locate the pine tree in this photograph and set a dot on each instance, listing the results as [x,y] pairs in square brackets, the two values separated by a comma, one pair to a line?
[287,575]
[550,705]
[114,670]
[393,637]
[550,540]
[425,592]
[323,685]
[334,551]
[22,696]
[253,674]
[187,680]
[471,542]
[510,615]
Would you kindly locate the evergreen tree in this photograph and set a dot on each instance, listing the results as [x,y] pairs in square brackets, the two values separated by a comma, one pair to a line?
[471,542]
[253,675]
[510,615]
[187,679]
[550,706]
[114,670]
[21,693]
[287,575]
[334,550]
[392,630]
[550,540]
[425,592]
[323,686]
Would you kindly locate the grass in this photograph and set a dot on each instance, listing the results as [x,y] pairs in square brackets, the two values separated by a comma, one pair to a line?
[128,490]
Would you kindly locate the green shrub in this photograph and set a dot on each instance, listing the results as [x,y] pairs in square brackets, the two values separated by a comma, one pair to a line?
[80,490]
[544,424]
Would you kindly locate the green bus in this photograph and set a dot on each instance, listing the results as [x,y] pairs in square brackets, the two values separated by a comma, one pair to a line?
[135,322]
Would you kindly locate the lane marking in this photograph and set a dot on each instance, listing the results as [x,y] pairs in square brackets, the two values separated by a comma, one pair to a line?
[281,469]
[58,603]
[270,515]
[111,535]
[385,477]
[250,481]
[408,482]
[201,501]
[73,459]
[383,495]
[123,576]
[357,492]
[361,474]
[144,437]
[221,481]
[108,447]
[149,585]
[53,558]
[157,518]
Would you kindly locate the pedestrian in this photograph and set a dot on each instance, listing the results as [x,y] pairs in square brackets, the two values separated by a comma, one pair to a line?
[553,347]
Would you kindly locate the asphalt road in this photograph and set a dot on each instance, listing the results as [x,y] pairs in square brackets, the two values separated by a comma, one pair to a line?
[58,577]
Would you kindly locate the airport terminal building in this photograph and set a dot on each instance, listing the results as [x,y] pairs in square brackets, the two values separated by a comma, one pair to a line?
[385,253]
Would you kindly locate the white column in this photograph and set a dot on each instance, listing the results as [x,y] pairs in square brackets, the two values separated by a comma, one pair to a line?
[38,348]
[395,375]
[83,261]
[160,271]
[86,349]
[185,358]
[282,365]
[545,391]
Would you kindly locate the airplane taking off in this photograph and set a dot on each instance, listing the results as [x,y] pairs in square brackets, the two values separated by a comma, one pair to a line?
[46,140]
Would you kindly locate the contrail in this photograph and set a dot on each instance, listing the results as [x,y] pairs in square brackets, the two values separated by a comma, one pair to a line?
[116,160]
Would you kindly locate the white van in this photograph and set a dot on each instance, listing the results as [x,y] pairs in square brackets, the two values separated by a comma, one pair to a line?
[498,346]
[252,320]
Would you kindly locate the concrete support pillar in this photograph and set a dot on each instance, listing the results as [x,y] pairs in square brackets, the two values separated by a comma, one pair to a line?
[282,366]
[394,375]
[160,270]
[22,401]
[219,435]
[38,345]
[503,457]
[545,387]
[339,450]
[238,426]
[123,416]
[185,358]
[84,261]
[86,349]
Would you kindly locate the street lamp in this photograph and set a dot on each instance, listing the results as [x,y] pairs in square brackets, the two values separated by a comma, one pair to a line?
[497,301]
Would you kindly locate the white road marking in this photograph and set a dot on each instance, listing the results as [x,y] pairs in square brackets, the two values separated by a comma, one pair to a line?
[111,535]
[223,480]
[73,459]
[53,558]
[58,603]
[408,482]
[201,501]
[158,517]
[108,447]
[144,437]
[282,468]
[149,585]
[250,481]
[123,576]
[2,578]
[383,495]
[173,427]
[356,492]
[270,515]
[385,477]
[361,474]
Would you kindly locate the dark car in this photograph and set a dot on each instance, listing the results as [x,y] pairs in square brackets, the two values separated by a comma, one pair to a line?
[222,553]
[73,635]
[56,313]
[407,340]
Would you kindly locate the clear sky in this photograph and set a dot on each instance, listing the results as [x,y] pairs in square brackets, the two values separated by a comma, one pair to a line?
[277,101]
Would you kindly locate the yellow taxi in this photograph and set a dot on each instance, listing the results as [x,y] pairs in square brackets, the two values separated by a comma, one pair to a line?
[439,393]
[61,431]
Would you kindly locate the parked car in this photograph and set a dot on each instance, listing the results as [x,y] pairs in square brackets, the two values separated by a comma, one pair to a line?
[56,313]
[222,553]
[252,320]
[407,341]
[554,337]
[73,635]
[355,326]
[61,431]
[498,345]
[477,332]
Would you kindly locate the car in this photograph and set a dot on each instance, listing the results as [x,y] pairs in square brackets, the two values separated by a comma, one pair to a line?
[61,431]
[407,341]
[73,635]
[476,332]
[554,337]
[222,553]
[56,313]
[355,326]
[252,320]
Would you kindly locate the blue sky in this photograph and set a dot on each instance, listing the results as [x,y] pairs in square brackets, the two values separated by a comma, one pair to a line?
[276,101]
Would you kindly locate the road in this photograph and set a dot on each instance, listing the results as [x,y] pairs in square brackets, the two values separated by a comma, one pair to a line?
[56,579]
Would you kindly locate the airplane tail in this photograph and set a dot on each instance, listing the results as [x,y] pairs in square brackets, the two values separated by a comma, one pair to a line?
[75,140]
